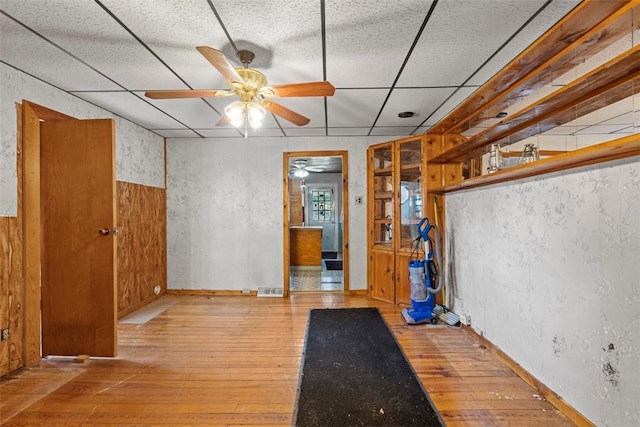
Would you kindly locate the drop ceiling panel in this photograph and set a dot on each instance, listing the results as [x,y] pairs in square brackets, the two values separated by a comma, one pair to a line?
[312,108]
[265,132]
[86,31]
[397,131]
[306,131]
[563,130]
[220,132]
[176,133]
[287,33]
[32,54]
[602,129]
[126,104]
[538,26]
[355,107]
[422,102]
[195,113]
[450,104]
[460,36]
[172,30]
[629,130]
[367,43]
[353,131]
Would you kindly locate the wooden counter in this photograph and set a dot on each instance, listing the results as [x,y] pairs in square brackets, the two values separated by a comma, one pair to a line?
[305,246]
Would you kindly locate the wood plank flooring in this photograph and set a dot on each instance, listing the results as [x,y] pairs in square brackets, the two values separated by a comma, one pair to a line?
[230,361]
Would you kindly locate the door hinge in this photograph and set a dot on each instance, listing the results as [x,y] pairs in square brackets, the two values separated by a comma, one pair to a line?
[4,334]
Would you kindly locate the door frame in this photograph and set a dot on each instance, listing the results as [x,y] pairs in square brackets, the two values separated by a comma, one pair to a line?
[285,211]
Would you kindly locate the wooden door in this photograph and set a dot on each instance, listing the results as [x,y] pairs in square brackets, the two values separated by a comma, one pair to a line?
[78,211]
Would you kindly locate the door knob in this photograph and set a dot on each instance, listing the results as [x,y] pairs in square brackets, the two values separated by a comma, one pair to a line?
[104,231]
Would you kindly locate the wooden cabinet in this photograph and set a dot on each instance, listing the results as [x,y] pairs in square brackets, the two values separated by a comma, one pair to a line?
[305,245]
[395,207]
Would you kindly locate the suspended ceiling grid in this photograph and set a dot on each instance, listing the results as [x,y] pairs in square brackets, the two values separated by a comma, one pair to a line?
[383,57]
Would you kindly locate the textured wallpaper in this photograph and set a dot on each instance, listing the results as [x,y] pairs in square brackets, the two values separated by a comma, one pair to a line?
[548,268]
[224,210]
[139,153]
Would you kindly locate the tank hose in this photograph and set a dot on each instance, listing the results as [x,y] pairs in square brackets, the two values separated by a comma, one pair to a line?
[439,262]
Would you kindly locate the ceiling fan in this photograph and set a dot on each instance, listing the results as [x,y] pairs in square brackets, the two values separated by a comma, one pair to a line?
[251,87]
[301,170]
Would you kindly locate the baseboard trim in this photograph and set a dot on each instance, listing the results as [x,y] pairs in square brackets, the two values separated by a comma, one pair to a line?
[129,310]
[252,293]
[544,391]
[210,292]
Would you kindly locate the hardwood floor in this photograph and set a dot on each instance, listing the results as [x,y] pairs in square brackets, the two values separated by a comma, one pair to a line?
[227,361]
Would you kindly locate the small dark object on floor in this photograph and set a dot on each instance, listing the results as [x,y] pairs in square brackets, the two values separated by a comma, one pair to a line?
[333,264]
[329,255]
[354,373]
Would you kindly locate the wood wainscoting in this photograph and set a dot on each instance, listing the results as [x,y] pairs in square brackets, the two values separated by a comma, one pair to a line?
[142,245]
[11,275]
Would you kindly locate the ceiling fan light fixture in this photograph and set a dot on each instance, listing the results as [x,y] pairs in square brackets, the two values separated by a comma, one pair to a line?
[300,173]
[255,114]
[236,113]
[241,113]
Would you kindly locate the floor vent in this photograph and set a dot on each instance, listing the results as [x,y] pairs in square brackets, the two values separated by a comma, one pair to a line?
[271,292]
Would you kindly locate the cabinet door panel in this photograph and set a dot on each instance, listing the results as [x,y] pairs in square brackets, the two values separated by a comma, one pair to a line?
[383,276]
[403,286]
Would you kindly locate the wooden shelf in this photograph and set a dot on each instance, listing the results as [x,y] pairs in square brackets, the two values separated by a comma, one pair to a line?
[383,171]
[384,221]
[413,167]
[609,83]
[623,147]
[383,195]
[382,244]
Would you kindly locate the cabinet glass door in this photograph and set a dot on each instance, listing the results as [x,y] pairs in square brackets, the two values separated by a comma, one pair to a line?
[383,192]
[410,191]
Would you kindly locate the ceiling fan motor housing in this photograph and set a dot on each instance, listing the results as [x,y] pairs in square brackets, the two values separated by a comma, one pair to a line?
[245,56]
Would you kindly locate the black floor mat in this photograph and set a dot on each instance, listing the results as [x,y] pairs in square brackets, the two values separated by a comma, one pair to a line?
[355,374]
[333,264]
[329,255]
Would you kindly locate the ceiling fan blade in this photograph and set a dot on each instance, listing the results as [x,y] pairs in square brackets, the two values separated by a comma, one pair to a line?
[323,88]
[314,169]
[285,113]
[221,63]
[173,94]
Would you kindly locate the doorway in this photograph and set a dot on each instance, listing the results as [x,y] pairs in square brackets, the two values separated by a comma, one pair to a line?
[315,217]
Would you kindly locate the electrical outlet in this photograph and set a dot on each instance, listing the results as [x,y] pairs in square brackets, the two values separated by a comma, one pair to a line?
[358,200]
[465,319]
